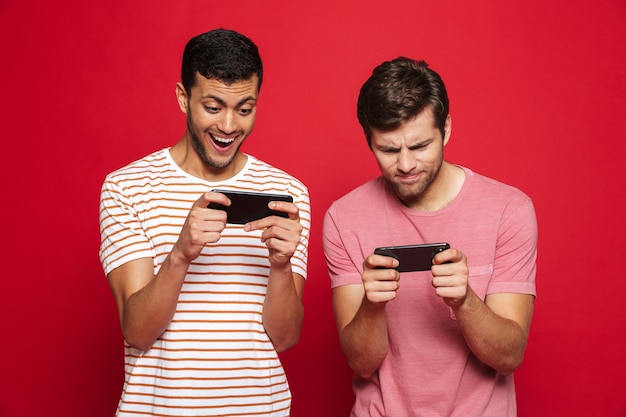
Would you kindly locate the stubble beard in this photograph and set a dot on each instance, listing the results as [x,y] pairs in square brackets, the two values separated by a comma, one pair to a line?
[411,194]
[201,150]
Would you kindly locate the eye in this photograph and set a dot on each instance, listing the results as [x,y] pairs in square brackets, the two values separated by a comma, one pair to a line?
[420,146]
[389,151]
[245,111]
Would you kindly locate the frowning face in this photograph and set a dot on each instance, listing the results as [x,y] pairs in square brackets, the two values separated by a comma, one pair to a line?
[411,155]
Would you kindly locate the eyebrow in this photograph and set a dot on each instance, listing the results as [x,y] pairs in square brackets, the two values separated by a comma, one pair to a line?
[416,144]
[422,142]
[223,103]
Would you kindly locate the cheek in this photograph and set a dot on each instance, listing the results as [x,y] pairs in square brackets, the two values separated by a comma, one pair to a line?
[435,157]
[197,117]
[247,123]
[385,163]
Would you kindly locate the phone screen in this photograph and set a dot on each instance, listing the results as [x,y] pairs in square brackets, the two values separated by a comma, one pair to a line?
[247,206]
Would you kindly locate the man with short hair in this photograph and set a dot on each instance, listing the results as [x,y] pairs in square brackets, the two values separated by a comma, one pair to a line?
[206,305]
[445,341]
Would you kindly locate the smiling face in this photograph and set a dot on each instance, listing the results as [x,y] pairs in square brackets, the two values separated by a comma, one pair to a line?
[411,156]
[219,119]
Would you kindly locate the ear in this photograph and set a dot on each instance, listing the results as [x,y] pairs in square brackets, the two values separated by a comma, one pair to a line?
[447,130]
[181,97]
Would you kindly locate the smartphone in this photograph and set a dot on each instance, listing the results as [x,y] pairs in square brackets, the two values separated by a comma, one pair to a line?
[246,206]
[413,257]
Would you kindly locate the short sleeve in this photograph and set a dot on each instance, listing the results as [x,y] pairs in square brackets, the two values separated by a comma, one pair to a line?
[342,268]
[516,251]
[123,238]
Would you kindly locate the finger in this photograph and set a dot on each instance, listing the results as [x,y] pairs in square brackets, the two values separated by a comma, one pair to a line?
[206,221]
[452,295]
[281,247]
[290,209]
[383,297]
[283,229]
[277,222]
[442,281]
[212,197]
[444,257]
[456,280]
[377,276]
[381,291]
[285,207]
[451,255]
[382,285]
[380,261]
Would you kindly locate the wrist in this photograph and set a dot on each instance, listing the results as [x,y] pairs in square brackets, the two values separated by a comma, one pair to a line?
[281,268]
[177,257]
[467,303]
[373,308]
[280,262]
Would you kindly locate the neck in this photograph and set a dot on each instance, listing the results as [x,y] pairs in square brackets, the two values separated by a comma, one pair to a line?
[186,157]
[443,189]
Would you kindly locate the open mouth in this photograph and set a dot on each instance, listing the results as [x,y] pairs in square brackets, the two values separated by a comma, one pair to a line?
[221,141]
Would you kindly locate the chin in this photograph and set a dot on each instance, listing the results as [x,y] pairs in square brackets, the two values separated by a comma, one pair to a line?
[219,163]
[409,192]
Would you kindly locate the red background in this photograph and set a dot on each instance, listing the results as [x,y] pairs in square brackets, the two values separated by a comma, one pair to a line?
[538,95]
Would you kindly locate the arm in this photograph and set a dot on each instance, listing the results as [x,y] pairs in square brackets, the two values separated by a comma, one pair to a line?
[283,311]
[147,302]
[361,316]
[496,330]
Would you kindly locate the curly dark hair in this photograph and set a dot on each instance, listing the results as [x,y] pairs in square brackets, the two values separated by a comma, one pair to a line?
[223,55]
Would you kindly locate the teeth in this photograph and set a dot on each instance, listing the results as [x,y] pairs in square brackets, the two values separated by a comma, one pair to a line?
[223,140]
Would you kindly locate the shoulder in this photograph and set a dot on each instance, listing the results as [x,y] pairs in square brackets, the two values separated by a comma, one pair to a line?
[494,189]
[149,175]
[366,190]
[493,199]
[361,201]
[373,189]
[155,161]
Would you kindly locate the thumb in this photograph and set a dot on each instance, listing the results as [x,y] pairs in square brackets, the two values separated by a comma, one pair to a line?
[213,200]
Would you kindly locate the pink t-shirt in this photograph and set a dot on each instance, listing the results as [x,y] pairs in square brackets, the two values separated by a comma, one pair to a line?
[429,369]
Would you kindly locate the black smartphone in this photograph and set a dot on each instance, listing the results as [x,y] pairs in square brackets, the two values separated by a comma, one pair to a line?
[247,206]
[413,257]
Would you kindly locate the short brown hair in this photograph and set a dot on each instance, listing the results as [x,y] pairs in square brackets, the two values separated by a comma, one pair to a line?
[399,90]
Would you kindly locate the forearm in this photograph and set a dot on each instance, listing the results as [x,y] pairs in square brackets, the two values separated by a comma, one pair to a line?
[283,311]
[148,312]
[364,340]
[496,341]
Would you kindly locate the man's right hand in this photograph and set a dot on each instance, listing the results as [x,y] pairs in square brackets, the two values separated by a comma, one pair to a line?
[202,226]
[380,279]
[360,313]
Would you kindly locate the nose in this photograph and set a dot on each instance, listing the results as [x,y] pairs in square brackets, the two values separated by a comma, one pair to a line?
[406,163]
[228,122]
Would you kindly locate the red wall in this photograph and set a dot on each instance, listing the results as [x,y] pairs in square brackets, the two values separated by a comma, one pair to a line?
[538,97]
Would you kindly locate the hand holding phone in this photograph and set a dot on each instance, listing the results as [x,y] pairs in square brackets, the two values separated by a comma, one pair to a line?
[413,257]
[247,206]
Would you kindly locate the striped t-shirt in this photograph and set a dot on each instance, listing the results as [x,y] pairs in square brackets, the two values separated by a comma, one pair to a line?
[215,357]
